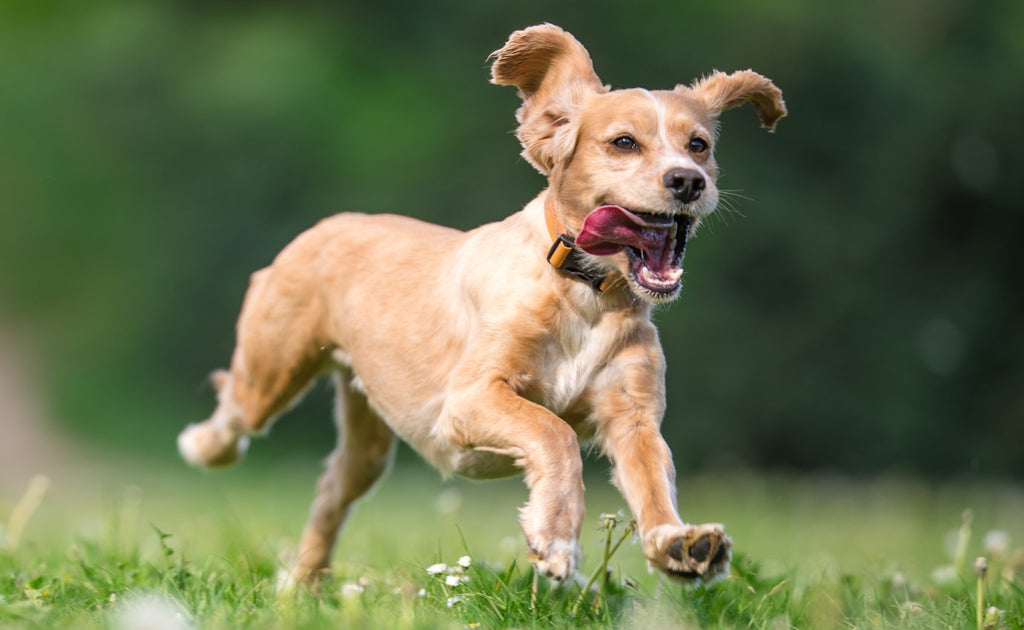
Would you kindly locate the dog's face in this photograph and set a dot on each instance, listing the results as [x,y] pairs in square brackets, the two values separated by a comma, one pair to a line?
[632,171]
[647,151]
[642,173]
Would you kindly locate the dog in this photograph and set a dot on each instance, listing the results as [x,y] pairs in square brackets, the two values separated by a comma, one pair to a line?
[500,350]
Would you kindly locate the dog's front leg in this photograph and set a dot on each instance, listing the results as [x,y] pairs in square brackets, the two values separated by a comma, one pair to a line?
[489,417]
[629,405]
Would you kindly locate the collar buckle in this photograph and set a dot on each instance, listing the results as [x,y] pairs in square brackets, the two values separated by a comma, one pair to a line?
[564,257]
[561,250]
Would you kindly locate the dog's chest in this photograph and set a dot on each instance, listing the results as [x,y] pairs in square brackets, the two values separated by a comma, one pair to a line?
[573,358]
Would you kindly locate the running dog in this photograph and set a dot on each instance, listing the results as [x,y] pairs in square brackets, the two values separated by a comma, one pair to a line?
[499,350]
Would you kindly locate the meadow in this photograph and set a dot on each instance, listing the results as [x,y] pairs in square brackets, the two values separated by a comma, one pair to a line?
[858,307]
[163,547]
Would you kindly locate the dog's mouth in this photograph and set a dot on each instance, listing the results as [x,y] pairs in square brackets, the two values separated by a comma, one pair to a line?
[654,244]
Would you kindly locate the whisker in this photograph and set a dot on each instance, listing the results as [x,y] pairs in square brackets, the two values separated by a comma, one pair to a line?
[733,193]
[727,201]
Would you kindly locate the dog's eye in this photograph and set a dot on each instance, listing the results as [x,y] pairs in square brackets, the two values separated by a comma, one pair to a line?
[625,143]
[698,145]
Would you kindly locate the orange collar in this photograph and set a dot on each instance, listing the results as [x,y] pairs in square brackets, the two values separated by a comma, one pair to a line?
[564,256]
[554,222]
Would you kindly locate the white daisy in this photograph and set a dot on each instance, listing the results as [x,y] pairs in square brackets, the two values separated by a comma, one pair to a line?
[435,569]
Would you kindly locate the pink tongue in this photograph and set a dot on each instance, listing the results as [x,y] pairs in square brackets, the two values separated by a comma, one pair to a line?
[608,230]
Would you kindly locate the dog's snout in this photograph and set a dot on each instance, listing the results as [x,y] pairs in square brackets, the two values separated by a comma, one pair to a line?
[686,184]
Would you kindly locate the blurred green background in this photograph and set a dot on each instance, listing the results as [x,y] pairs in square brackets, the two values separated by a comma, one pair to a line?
[861,310]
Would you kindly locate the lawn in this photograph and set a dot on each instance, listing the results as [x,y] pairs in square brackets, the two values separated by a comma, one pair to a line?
[175,548]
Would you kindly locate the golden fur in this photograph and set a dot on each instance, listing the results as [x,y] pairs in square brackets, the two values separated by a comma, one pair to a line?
[471,347]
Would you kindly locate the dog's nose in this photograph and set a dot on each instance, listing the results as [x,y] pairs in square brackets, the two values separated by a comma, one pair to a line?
[686,184]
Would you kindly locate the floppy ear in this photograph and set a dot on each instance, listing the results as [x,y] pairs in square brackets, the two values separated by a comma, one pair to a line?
[554,75]
[720,91]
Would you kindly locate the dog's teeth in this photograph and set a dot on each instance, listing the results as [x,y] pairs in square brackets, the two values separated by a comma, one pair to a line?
[671,277]
[672,231]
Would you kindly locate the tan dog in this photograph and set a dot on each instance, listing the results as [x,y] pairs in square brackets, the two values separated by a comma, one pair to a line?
[502,348]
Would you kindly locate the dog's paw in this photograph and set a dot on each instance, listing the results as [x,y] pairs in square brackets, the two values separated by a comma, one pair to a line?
[558,561]
[693,554]
[211,446]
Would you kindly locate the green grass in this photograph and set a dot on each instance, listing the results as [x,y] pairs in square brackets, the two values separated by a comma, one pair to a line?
[206,551]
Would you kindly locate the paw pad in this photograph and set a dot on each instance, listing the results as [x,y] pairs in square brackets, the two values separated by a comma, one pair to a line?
[691,553]
[700,549]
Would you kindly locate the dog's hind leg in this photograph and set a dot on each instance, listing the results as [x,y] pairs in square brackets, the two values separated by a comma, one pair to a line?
[218,441]
[363,454]
[278,354]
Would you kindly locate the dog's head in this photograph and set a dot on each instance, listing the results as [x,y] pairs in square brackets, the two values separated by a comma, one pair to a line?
[631,172]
